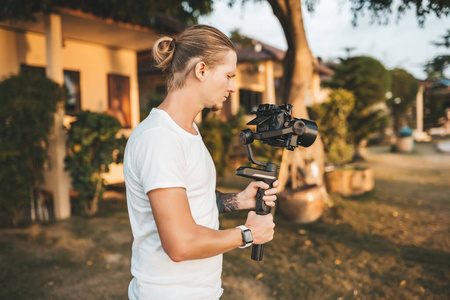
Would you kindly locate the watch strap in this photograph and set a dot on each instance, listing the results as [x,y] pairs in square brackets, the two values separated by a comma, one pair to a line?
[245,232]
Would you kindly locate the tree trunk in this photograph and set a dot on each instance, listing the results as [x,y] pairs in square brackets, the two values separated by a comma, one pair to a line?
[91,209]
[296,86]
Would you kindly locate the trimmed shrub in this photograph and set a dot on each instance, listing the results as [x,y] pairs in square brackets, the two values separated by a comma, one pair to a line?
[92,146]
[331,117]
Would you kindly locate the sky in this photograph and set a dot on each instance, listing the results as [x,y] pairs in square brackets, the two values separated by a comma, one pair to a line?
[400,44]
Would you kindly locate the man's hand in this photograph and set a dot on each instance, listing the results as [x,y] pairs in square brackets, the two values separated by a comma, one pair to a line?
[246,198]
[261,226]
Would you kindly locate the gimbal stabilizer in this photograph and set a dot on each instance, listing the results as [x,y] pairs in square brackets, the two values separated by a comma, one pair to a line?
[275,126]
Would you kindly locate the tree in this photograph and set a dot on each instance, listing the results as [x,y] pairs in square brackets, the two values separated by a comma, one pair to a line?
[299,67]
[436,100]
[403,94]
[298,70]
[369,81]
[141,12]
[436,67]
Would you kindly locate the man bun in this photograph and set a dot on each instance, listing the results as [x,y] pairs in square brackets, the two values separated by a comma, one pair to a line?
[163,51]
[199,42]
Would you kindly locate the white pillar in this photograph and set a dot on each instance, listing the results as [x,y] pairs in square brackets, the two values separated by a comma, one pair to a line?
[419,109]
[56,179]
[270,82]
[234,97]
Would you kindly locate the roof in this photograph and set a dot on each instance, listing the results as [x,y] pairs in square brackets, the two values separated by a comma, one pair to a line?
[80,26]
[87,27]
[258,51]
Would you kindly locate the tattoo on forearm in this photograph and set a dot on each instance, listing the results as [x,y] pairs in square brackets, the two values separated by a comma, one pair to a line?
[226,202]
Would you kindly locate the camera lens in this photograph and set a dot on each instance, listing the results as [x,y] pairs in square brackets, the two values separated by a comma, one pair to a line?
[309,134]
[299,127]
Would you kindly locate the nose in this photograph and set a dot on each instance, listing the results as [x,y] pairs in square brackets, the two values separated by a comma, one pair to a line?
[231,87]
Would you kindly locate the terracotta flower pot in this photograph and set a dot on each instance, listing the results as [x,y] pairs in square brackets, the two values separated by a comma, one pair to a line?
[303,205]
[349,181]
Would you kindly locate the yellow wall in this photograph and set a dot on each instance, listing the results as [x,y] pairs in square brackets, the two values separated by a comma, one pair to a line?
[94,62]
[258,77]
[251,76]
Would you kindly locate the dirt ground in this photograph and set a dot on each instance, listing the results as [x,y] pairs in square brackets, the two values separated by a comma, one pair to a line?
[391,243]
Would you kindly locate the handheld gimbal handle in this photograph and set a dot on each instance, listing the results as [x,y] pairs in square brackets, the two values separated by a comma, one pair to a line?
[268,175]
[261,209]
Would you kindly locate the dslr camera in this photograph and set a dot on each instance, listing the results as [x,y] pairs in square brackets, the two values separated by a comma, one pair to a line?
[276,126]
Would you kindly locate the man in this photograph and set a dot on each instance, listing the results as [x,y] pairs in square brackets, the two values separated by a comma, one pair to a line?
[170,177]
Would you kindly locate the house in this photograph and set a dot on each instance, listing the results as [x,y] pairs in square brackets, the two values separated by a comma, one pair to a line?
[95,58]
[102,63]
[322,73]
[260,68]
[259,72]
[433,108]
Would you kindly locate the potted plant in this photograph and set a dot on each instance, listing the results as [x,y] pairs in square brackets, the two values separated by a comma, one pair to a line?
[342,176]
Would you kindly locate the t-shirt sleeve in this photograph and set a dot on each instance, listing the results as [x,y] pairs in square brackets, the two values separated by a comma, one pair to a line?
[160,159]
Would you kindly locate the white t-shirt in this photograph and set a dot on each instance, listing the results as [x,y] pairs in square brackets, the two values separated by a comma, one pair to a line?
[160,154]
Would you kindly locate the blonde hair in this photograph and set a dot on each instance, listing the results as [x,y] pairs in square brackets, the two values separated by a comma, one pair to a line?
[177,57]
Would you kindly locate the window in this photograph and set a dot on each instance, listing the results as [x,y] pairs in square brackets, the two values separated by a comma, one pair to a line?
[119,99]
[32,69]
[250,100]
[71,82]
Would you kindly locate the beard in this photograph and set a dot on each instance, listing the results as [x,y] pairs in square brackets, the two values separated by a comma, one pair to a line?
[215,108]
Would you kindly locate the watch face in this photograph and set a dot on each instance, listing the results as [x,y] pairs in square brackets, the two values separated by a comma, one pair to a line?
[247,235]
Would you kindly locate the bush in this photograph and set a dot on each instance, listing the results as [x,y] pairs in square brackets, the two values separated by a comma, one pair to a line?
[92,147]
[403,90]
[153,100]
[26,118]
[331,117]
[218,137]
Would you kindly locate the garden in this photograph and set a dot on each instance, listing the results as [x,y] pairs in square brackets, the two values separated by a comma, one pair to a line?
[386,242]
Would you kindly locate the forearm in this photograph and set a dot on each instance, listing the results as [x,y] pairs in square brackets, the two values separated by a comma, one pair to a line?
[194,241]
[203,242]
[181,237]
[228,202]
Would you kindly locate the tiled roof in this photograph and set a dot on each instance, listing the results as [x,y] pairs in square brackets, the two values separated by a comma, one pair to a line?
[258,51]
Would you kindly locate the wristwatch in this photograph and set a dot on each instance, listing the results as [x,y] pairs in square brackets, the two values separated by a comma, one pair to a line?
[247,236]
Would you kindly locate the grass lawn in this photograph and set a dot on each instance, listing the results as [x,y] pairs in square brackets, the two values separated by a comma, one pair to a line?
[392,243]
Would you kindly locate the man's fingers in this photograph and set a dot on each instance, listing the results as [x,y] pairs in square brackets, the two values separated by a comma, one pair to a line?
[269,203]
[272,191]
[270,198]
[263,185]
[260,184]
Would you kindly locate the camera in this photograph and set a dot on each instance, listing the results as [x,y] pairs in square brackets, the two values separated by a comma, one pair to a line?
[276,126]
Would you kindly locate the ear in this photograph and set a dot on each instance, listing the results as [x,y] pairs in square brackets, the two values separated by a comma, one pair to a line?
[200,71]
